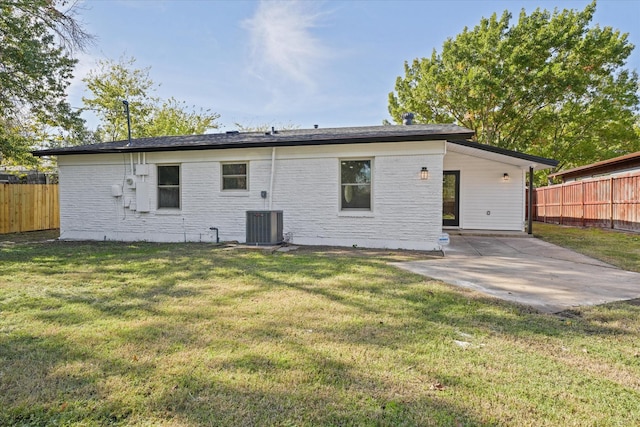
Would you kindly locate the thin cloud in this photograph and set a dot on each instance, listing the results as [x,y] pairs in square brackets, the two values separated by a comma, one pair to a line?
[282,41]
[77,88]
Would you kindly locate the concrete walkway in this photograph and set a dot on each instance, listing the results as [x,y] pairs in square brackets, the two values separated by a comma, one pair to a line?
[528,271]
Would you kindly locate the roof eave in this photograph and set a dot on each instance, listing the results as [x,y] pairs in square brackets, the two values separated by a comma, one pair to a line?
[535,160]
[632,160]
[271,142]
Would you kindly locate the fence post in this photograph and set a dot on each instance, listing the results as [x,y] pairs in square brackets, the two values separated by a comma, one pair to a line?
[582,203]
[545,206]
[561,203]
[544,198]
[531,190]
[611,199]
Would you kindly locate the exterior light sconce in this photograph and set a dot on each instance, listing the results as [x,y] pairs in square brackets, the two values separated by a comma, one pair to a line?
[424,173]
[505,177]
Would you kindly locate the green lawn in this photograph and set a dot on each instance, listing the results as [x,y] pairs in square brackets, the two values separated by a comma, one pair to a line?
[617,248]
[194,334]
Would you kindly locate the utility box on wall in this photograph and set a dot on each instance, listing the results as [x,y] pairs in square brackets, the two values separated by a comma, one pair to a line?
[264,227]
[142,197]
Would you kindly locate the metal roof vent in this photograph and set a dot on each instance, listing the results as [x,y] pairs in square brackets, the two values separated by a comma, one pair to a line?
[407,118]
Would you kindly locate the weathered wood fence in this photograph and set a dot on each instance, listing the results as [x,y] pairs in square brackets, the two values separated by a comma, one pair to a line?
[607,202]
[28,207]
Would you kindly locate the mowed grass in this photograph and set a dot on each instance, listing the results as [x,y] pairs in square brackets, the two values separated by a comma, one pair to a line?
[193,334]
[618,248]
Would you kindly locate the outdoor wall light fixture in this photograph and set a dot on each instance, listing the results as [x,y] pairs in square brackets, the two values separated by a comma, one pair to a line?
[424,173]
[505,177]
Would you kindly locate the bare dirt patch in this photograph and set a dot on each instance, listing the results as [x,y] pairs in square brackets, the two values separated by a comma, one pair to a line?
[30,236]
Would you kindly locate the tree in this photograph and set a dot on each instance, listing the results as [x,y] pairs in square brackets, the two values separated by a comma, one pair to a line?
[37,39]
[113,82]
[173,117]
[550,85]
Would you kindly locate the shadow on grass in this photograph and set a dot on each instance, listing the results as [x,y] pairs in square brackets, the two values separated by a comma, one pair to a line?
[40,380]
[246,406]
[148,333]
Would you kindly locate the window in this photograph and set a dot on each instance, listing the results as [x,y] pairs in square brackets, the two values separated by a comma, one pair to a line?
[234,176]
[355,184]
[169,186]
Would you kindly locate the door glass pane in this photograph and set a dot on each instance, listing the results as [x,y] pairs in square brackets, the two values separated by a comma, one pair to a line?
[449,187]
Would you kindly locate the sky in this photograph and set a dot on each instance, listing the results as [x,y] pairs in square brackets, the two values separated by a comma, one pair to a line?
[293,63]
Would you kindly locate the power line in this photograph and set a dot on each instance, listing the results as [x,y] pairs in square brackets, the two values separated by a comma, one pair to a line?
[84,108]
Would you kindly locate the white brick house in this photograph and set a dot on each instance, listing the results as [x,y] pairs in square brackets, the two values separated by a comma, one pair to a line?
[381,186]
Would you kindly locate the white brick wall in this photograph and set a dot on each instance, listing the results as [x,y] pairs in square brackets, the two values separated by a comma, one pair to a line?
[406,211]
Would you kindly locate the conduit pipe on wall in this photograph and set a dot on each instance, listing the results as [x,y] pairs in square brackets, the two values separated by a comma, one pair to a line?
[273,161]
[143,162]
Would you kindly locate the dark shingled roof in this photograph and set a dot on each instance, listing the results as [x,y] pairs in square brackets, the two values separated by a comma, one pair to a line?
[297,137]
[616,164]
[281,138]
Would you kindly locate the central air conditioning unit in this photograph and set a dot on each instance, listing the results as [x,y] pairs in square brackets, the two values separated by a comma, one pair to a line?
[264,228]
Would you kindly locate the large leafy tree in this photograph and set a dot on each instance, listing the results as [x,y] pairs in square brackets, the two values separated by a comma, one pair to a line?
[37,40]
[551,84]
[116,81]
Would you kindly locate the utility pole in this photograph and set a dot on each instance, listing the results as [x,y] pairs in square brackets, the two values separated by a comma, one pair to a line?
[126,109]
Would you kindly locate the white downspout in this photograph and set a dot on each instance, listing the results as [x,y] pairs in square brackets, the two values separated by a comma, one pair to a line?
[273,163]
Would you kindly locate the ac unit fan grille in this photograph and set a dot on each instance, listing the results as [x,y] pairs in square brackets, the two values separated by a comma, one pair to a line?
[264,227]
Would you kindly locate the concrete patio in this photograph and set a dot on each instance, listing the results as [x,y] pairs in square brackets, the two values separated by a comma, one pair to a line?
[528,271]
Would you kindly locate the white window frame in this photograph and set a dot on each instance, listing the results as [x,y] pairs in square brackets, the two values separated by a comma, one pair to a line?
[340,185]
[223,176]
[159,186]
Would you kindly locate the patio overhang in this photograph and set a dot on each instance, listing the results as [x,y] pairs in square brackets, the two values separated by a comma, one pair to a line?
[489,152]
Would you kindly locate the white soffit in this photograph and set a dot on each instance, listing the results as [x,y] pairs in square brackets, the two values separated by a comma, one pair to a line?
[496,157]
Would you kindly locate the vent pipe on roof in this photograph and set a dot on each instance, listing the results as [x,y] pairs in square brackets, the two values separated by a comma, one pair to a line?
[407,118]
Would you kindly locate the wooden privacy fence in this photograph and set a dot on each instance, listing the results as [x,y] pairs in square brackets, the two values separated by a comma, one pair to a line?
[28,207]
[607,202]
